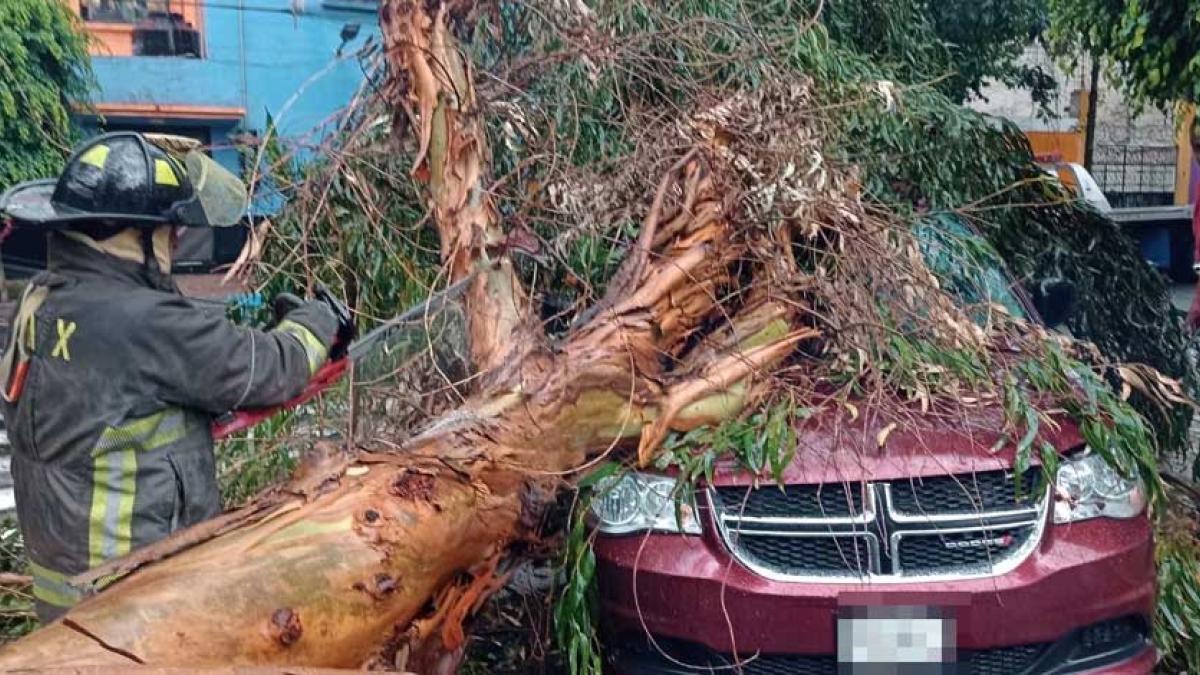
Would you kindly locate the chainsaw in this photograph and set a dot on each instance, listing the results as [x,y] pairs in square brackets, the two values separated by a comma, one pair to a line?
[344,351]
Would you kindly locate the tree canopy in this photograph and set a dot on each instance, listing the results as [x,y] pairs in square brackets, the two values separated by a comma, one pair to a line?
[959,45]
[1153,47]
[45,68]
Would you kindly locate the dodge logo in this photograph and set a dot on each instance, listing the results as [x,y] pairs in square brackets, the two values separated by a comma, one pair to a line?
[1003,541]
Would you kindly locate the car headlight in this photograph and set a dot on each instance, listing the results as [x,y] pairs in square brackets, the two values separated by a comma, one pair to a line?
[1087,487]
[637,502]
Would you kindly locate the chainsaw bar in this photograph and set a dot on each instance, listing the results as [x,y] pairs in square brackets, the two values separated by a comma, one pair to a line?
[333,371]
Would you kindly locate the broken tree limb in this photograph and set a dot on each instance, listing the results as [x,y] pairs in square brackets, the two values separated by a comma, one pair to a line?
[452,157]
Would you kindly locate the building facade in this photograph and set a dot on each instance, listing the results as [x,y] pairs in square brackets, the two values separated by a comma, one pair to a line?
[218,68]
[1140,157]
[220,71]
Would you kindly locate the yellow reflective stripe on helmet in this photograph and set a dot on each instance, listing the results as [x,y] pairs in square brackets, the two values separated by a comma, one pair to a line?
[52,587]
[114,479]
[313,347]
[164,174]
[97,155]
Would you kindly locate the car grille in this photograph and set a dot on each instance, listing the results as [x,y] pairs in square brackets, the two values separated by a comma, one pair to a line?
[956,526]
[796,501]
[797,555]
[965,494]
[937,552]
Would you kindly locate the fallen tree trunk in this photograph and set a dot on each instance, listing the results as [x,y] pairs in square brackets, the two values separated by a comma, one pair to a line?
[229,670]
[380,555]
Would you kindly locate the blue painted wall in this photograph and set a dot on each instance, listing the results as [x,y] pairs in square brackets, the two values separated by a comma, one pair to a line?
[259,56]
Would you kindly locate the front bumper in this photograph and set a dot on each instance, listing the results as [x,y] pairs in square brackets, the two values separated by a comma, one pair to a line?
[690,591]
[1128,652]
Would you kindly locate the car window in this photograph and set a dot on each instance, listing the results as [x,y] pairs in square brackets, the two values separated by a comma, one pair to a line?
[967,267]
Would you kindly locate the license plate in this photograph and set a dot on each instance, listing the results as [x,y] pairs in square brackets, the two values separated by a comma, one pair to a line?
[908,640]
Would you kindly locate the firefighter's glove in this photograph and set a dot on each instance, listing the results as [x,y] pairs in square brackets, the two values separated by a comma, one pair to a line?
[284,304]
[346,331]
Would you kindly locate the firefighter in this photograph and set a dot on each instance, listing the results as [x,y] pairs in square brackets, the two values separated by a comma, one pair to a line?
[111,379]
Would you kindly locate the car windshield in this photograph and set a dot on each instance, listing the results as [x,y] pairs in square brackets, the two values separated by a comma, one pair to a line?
[967,267]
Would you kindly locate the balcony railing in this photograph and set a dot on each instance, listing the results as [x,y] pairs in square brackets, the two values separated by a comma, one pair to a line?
[121,11]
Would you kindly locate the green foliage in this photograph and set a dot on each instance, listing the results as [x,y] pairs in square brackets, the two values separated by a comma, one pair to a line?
[959,45]
[256,458]
[353,222]
[45,69]
[1154,47]
[16,604]
[918,152]
[763,443]
[576,610]
[1109,425]
[1177,625]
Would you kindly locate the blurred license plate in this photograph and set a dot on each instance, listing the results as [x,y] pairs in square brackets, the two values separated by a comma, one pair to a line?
[908,640]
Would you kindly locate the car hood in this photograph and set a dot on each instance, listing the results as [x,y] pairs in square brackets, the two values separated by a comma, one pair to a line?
[851,443]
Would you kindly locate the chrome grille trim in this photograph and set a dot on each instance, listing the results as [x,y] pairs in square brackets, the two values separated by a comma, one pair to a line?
[899,516]
[881,523]
[872,549]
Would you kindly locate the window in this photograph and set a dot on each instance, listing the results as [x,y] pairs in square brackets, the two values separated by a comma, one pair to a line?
[967,266]
[121,11]
[143,27]
[166,39]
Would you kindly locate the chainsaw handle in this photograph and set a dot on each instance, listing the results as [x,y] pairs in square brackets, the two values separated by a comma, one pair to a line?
[240,420]
[347,331]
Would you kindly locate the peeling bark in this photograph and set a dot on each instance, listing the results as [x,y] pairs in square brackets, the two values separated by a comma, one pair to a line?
[440,103]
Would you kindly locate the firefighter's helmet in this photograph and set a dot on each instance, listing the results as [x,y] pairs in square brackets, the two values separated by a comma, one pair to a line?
[128,179]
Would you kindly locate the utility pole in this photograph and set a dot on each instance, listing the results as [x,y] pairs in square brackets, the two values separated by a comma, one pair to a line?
[1089,147]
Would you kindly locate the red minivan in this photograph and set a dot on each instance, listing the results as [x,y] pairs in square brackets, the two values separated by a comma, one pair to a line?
[929,555]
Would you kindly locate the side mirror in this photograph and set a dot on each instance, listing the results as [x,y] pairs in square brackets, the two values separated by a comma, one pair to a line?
[1054,300]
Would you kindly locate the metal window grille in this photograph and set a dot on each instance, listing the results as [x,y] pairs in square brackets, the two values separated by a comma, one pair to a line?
[121,11]
[1136,175]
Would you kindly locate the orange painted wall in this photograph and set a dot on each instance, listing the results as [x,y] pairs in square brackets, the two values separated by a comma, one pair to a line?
[1057,146]
[116,39]
[110,39]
